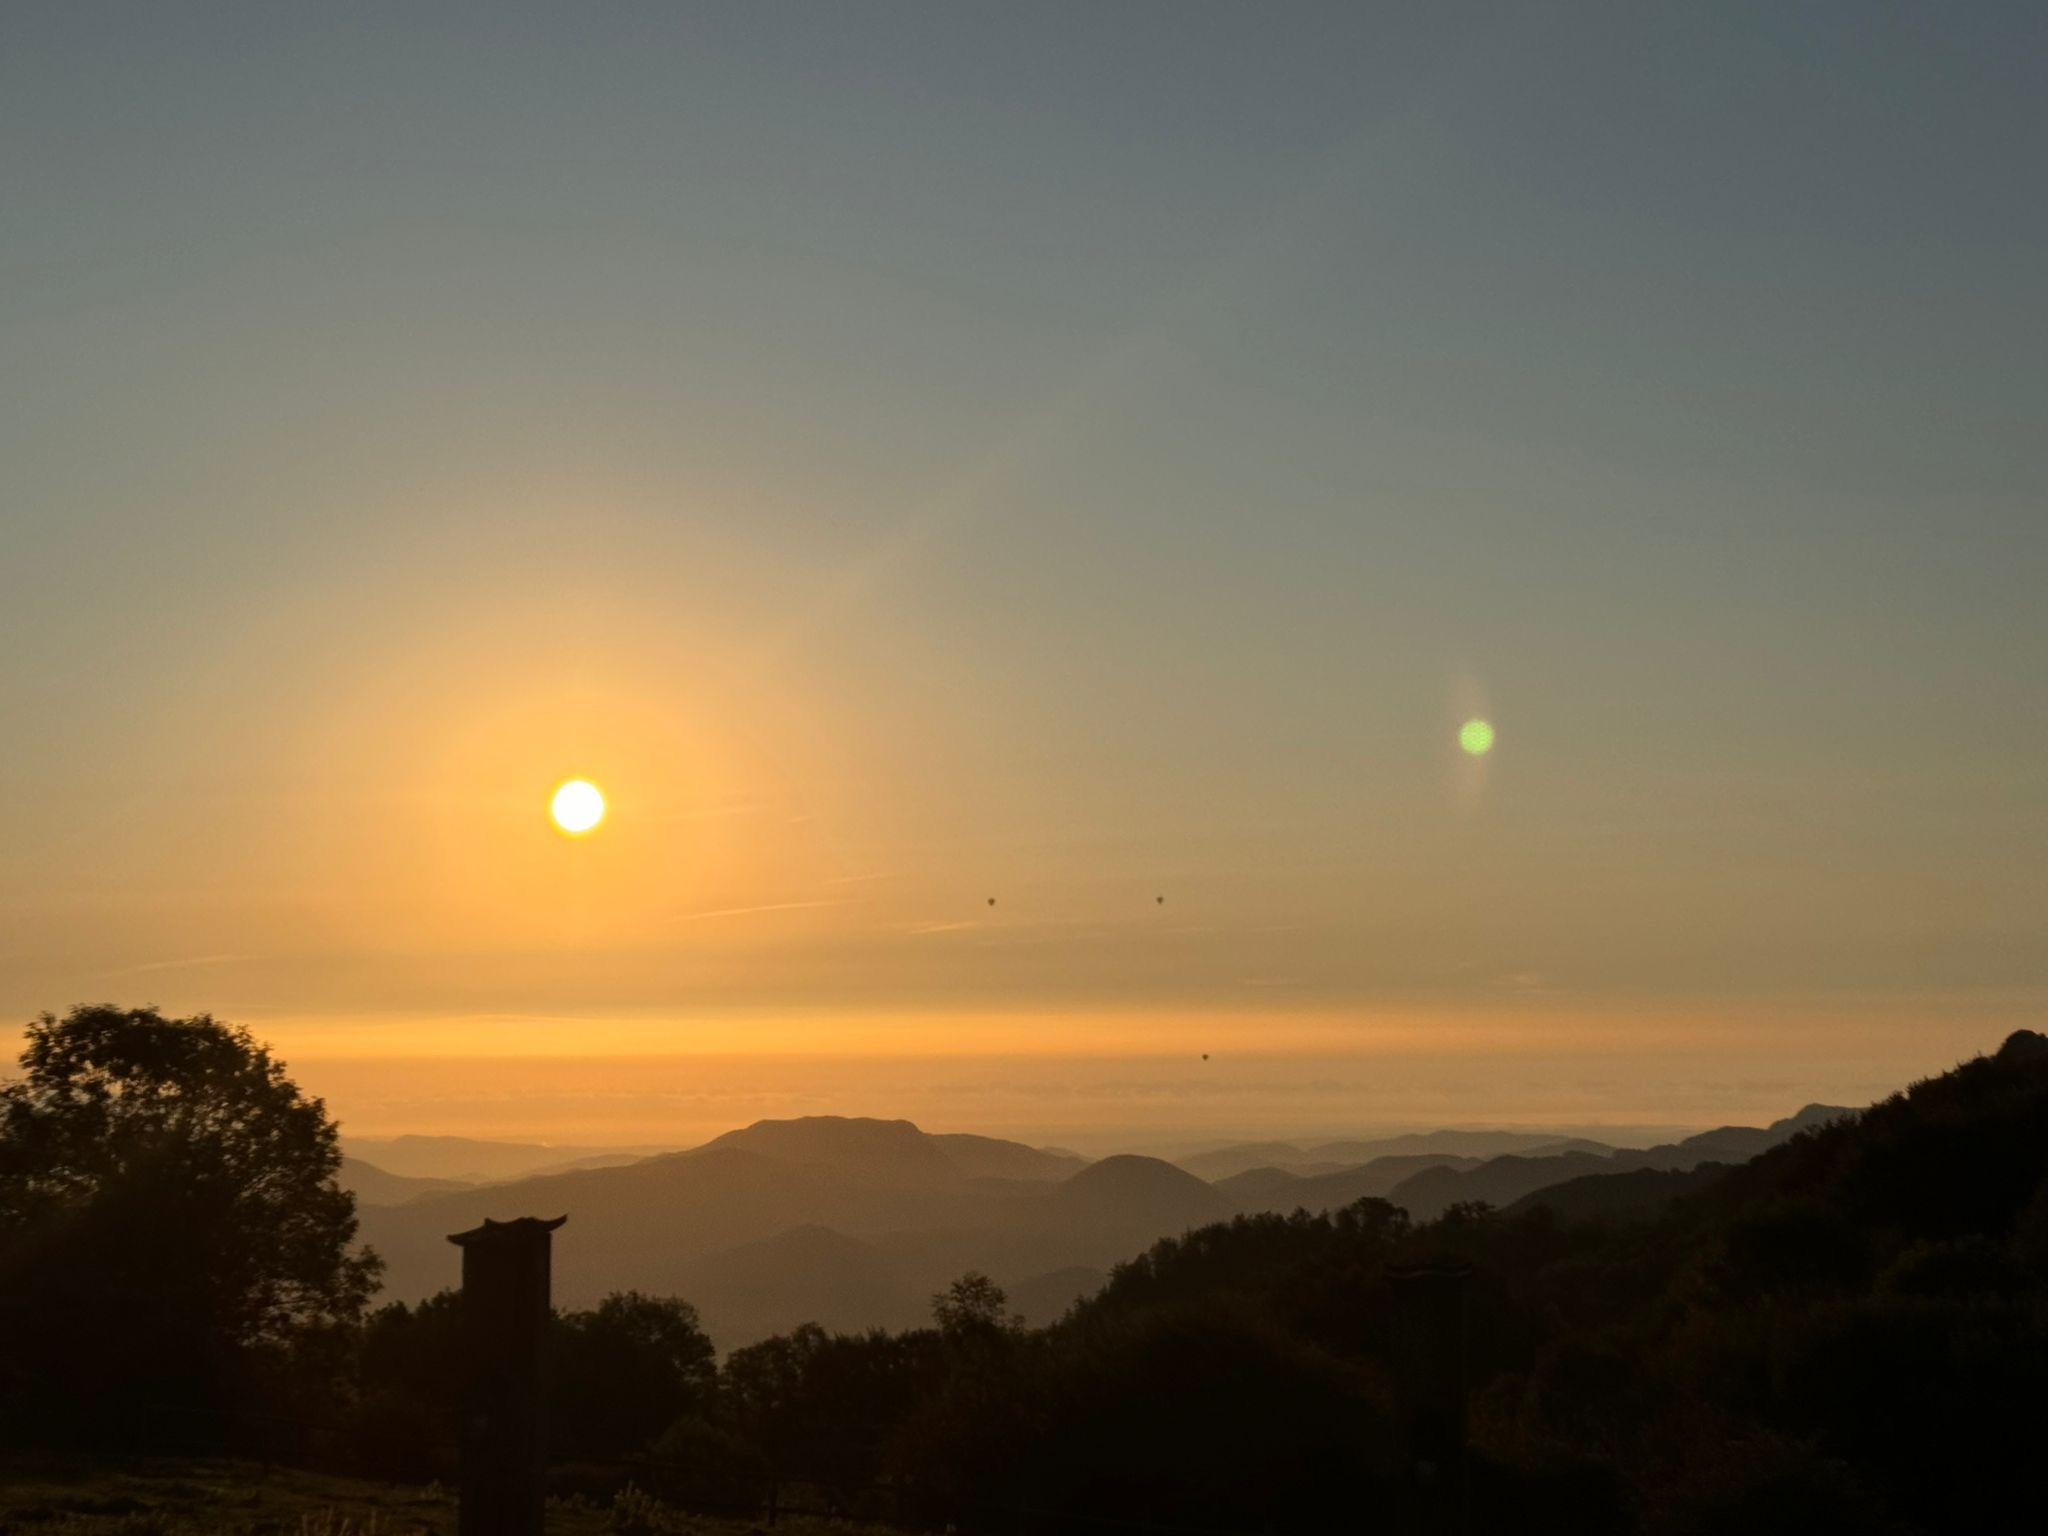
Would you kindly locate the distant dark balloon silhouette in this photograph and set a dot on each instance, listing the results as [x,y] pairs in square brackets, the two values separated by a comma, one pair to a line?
[1205,1055]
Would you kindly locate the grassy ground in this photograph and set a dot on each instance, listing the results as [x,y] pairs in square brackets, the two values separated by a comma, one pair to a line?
[47,1497]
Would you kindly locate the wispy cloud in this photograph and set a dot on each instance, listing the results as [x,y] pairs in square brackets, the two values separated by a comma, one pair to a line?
[767,906]
[709,812]
[186,964]
[953,927]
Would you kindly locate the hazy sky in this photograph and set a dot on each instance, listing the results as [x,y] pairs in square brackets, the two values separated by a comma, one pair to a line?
[909,454]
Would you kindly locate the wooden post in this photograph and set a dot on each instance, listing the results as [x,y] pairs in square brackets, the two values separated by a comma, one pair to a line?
[504,1324]
[1429,1385]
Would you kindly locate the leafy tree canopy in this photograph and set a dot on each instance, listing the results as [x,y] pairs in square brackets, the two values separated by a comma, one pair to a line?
[169,1206]
[627,1370]
[973,1305]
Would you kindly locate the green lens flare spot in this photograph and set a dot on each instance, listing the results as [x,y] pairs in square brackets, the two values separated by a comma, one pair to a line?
[1476,737]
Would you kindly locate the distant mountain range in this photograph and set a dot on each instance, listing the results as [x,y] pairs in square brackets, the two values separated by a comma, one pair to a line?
[1337,1156]
[1504,1181]
[461,1160]
[371,1185]
[855,1223]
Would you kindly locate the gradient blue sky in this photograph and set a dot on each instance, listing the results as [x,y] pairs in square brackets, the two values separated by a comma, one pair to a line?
[1075,453]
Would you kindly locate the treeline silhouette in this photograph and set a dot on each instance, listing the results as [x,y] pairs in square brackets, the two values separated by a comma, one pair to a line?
[1848,1333]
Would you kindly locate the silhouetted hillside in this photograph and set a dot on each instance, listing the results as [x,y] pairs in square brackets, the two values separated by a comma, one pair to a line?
[1960,1156]
[1278,1190]
[1843,1334]
[1630,1195]
[371,1185]
[2023,1046]
[1739,1143]
[1480,1144]
[1341,1156]
[1502,1181]
[1498,1181]
[1374,1180]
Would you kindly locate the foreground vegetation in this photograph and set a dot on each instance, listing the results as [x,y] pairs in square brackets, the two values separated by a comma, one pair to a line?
[168,1497]
[1848,1334]
[84,1496]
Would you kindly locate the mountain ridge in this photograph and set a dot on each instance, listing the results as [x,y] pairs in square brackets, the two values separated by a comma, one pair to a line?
[857,1221]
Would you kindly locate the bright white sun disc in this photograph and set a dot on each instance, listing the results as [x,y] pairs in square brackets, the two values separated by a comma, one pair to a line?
[578,806]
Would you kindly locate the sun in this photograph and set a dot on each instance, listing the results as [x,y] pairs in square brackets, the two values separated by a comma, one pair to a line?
[578,807]
[1475,736]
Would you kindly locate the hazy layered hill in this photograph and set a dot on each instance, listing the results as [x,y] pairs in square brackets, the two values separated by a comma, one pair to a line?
[1248,1157]
[1634,1194]
[809,1273]
[893,1152]
[855,1223]
[1128,1190]
[887,1153]
[1339,1156]
[371,1185]
[1251,1189]
[1499,1181]
[1502,1181]
[848,1222]
[987,1157]
[1739,1143]
[374,1182]
[634,1227]
[1042,1299]
[463,1160]
[1276,1189]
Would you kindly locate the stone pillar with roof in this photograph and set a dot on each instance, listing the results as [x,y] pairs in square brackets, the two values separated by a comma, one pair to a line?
[505,1308]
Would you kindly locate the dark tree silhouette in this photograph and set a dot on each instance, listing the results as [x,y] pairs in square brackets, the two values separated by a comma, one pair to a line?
[170,1225]
[766,1397]
[973,1305]
[410,1368]
[626,1371]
